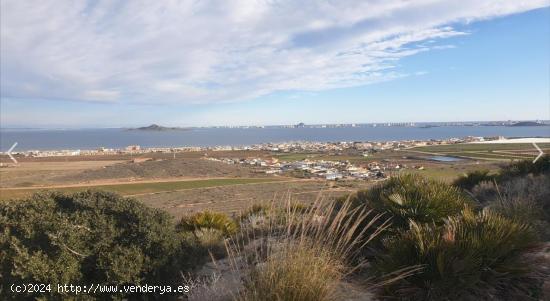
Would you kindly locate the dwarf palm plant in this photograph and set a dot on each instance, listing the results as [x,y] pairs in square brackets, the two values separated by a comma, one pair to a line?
[471,179]
[208,220]
[525,167]
[412,197]
[471,256]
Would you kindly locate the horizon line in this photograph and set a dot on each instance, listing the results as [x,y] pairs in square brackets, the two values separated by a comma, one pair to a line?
[544,121]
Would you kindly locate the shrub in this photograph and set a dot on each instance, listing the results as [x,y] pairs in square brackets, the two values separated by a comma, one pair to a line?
[263,217]
[471,179]
[507,172]
[413,197]
[305,255]
[83,238]
[207,230]
[525,167]
[294,273]
[213,287]
[254,210]
[472,256]
[526,199]
[484,191]
[208,220]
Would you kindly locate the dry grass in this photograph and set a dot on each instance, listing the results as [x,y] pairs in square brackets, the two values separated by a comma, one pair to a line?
[140,188]
[294,273]
[211,288]
[235,198]
[301,254]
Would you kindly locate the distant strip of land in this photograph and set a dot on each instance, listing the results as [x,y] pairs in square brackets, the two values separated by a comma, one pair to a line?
[516,140]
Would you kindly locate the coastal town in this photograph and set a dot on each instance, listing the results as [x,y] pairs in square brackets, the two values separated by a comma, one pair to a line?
[324,169]
[284,147]
[329,167]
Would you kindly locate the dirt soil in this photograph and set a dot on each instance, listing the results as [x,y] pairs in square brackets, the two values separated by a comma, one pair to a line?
[235,198]
[28,174]
[58,173]
[166,168]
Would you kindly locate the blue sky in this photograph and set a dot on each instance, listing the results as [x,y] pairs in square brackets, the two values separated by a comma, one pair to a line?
[98,64]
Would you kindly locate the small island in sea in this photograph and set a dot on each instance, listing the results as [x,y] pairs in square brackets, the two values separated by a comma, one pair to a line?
[158,128]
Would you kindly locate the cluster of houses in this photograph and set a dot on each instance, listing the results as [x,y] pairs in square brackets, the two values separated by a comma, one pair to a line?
[131,149]
[284,147]
[329,170]
[308,146]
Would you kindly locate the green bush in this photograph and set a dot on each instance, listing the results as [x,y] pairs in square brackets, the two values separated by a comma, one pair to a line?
[86,237]
[471,256]
[471,179]
[526,199]
[413,197]
[208,220]
[507,172]
[264,217]
[254,210]
[520,191]
[525,167]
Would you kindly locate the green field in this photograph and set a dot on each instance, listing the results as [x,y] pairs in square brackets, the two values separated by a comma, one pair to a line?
[492,155]
[481,147]
[292,157]
[141,188]
[446,174]
[520,151]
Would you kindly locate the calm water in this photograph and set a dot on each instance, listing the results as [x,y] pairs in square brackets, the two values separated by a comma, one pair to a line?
[444,159]
[118,138]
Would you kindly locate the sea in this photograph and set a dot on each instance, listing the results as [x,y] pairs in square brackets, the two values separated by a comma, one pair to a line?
[84,139]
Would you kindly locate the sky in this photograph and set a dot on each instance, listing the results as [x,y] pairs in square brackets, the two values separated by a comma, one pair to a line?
[109,63]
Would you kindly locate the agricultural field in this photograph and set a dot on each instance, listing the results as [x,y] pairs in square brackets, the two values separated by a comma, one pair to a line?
[123,174]
[188,183]
[141,188]
[130,156]
[235,198]
[179,185]
[480,151]
[44,173]
[31,173]
[449,172]
[348,156]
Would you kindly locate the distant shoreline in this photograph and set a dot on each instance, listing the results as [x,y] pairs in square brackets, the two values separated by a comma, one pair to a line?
[448,141]
[422,124]
[41,140]
[515,140]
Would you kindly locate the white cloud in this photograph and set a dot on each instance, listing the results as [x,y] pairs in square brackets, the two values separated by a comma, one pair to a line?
[218,51]
[101,95]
